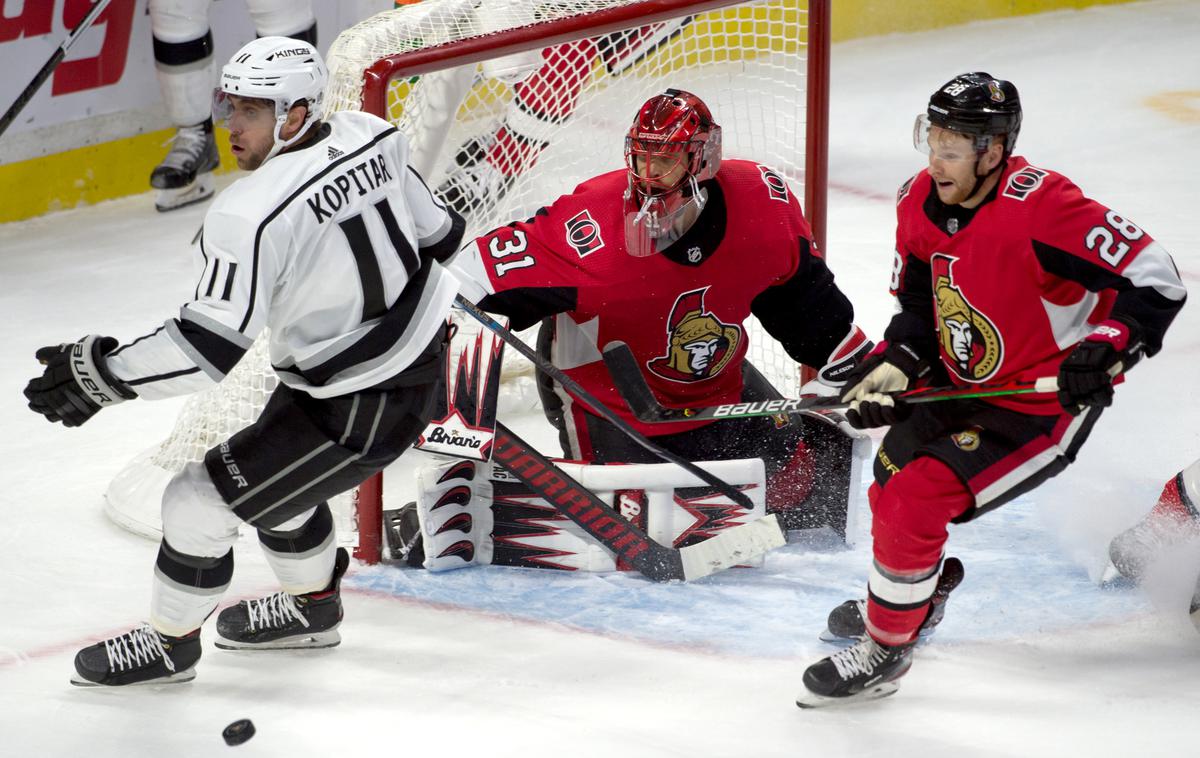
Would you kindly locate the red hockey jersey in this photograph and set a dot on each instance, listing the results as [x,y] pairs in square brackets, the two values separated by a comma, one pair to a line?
[681,311]
[1003,292]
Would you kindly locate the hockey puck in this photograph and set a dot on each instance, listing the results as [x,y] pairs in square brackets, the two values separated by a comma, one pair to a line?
[238,732]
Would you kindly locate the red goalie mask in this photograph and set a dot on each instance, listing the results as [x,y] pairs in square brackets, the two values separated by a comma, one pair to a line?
[672,146]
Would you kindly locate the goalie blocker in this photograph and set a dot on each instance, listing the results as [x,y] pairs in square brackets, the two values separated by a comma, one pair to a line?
[471,512]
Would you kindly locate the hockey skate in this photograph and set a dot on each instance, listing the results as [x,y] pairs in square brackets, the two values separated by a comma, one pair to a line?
[185,176]
[1194,608]
[1131,551]
[402,534]
[475,181]
[139,656]
[864,671]
[284,621]
[846,624]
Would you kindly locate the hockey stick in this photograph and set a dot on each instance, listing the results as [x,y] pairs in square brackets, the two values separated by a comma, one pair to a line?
[656,562]
[599,408]
[48,68]
[633,387]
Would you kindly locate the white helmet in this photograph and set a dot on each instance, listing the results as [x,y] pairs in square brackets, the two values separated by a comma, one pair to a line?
[281,69]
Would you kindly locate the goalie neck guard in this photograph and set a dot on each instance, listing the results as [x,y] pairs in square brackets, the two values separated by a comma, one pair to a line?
[283,70]
[672,146]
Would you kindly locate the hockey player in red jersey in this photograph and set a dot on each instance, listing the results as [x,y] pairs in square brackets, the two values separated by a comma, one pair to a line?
[1005,272]
[671,255]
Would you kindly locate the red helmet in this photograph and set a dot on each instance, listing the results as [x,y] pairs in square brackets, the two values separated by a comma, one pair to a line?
[677,124]
[671,130]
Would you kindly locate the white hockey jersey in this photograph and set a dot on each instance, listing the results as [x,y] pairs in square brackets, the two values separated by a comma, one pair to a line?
[334,248]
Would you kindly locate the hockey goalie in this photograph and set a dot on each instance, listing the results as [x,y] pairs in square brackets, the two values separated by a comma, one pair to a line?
[670,255]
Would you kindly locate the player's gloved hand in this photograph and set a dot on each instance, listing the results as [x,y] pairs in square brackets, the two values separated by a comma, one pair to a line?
[76,383]
[1086,375]
[890,368]
[831,377]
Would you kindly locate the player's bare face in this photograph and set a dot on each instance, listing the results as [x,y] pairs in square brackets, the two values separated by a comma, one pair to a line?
[251,124]
[952,161]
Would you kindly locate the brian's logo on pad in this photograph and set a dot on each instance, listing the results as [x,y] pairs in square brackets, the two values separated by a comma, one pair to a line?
[583,233]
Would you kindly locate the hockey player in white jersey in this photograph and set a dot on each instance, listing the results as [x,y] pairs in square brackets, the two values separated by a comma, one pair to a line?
[333,244]
[183,62]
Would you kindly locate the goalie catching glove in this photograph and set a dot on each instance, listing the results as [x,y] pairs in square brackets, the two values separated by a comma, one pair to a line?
[1087,374]
[76,383]
[890,368]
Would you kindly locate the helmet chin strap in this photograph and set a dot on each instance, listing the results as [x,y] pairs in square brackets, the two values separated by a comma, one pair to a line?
[280,143]
[979,178]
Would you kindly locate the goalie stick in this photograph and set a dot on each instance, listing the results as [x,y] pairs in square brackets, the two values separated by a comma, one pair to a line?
[656,562]
[48,67]
[599,408]
[633,387]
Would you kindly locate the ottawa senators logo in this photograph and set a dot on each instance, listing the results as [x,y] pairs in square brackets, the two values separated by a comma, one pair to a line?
[699,344]
[583,233]
[776,186]
[971,344]
[1023,183]
[967,440]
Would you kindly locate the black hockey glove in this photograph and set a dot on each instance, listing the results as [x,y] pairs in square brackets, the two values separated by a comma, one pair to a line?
[76,383]
[870,384]
[1085,377]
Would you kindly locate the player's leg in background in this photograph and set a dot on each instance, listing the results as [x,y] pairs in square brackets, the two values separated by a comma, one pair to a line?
[1174,519]
[284,18]
[813,461]
[487,165]
[183,60]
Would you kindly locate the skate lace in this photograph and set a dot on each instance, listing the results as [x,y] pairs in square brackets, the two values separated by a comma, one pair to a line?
[186,145]
[274,612]
[137,647]
[859,659]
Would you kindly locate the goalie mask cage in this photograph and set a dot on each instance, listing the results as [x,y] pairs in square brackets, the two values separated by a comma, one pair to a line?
[556,84]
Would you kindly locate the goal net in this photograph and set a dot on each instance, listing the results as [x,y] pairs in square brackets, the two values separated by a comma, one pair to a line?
[509,104]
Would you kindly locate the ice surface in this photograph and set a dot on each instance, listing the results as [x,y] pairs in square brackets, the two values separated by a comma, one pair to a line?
[1033,657]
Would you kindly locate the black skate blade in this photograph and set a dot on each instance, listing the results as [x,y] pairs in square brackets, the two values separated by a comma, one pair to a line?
[812,700]
[179,677]
[317,641]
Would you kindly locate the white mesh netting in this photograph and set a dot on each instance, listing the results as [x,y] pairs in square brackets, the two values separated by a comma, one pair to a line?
[503,137]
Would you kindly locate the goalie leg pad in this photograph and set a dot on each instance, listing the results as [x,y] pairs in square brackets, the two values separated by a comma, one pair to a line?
[821,486]
[454,511]
[467,517]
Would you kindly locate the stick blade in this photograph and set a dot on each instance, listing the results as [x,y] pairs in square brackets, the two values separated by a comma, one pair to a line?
[729,547]
[628,378]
